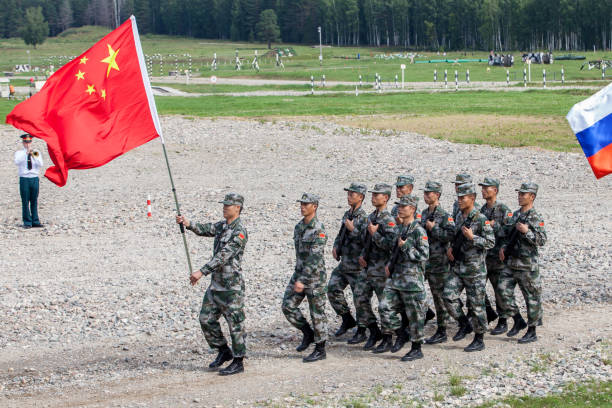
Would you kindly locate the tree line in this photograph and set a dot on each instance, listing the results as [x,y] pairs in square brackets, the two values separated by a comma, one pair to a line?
[415,24]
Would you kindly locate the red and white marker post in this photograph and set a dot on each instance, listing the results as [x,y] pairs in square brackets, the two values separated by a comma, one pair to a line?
[148,206]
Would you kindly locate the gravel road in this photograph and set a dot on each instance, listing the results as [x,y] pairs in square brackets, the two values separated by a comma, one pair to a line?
[96,310]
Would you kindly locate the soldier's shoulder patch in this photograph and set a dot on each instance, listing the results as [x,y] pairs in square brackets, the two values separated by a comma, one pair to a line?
[510,214]
[487,222]
[419,216]
[241,235]
[541,223]
[451,219]
[424,237]
[391,224]
[321,235]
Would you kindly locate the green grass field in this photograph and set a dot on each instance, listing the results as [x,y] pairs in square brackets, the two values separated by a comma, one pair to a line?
[219,88]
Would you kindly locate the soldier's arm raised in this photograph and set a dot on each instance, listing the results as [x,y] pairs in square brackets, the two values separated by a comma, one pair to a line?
[536,235]
[417,248]
[205,230]
[386,236]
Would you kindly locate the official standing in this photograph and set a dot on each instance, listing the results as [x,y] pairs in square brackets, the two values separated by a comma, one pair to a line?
[29,163]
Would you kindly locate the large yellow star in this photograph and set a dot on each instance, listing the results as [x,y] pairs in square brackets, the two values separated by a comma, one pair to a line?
[110,60]
[90,89]
[80,75]
[84,60]
[103,93]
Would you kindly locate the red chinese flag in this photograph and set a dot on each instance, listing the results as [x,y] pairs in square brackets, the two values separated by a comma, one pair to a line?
[94,108]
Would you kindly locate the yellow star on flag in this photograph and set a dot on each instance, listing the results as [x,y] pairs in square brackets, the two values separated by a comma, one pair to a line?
[80,75]
[90,89]
[84,60]
[110,60]
[103,92]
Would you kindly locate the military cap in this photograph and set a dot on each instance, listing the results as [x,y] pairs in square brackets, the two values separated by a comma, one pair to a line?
[233,199]
[465,189]
[408,199]
[26,138]
[404,181]
[490,181]
[309,198]
[462,178]
[528,188]
[382,188]
[433,186]
[357,188]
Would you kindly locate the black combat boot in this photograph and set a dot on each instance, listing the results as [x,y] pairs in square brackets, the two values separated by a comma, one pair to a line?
[530,336]
[234,368]
[385,345]
[491,314]
[225,354]
[347,323]
[502,327]
[519,324]
[317,354]
[540,323]
[359,336]
[438,337]
[465,328]
[405,321]
[414,354]
[375,335]
[402,338]
[307,339]
[477,344]
[430,314]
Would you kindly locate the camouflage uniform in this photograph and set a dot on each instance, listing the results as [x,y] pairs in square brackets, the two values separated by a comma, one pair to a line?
[309,240]
[372,279]
[401,181]
[471,273]
[347,271]
[405,289]
[523,267]
[225,295]
[497,214]
[437,270]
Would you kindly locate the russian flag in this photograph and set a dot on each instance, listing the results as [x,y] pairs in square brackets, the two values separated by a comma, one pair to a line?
[591,121]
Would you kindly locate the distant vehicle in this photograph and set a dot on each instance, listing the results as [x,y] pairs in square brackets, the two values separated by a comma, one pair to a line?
[570,57]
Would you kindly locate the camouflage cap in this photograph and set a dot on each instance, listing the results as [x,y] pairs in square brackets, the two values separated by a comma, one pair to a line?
[433,186]
[404,181]
[408,199]
[490,181]
[462,178]
[233,199]
[357,188]
[309,198]
[382,188]
[528,188]
[465,189]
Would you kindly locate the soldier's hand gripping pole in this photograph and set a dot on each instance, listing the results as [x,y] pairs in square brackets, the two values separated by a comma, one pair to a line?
[178,208]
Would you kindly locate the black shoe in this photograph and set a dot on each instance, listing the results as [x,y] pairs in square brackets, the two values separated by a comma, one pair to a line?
[491,314]
[347,323]
[307,338]
[519,324]
[540,322]
[317,354]
[438,337]
[26,226]
[234,368]
[502,327]
[465,328]
[359,336]
[385,345]
[37,226]
[225,354]
[430,314]
[375,335]
[402,338]
[476,345]
[414,354]
[530,336]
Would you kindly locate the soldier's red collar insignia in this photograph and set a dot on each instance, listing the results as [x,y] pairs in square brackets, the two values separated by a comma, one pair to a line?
[391,224]
[241,235]
[322,235]
[542,224]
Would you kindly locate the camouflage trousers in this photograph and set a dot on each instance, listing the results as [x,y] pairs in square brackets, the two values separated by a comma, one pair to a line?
[531,287]
[230,304]
[316,304]
[494,269]
[412,303]
[437,276]
[341,278]
[364,290]
[475,290]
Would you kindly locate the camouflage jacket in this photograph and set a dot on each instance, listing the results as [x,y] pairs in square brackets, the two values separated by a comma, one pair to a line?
[225,265]
[526,254]
[383,242]
[497,214]
[353,242]
[309,240]
[440,235]
[409,271]
[475,251]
